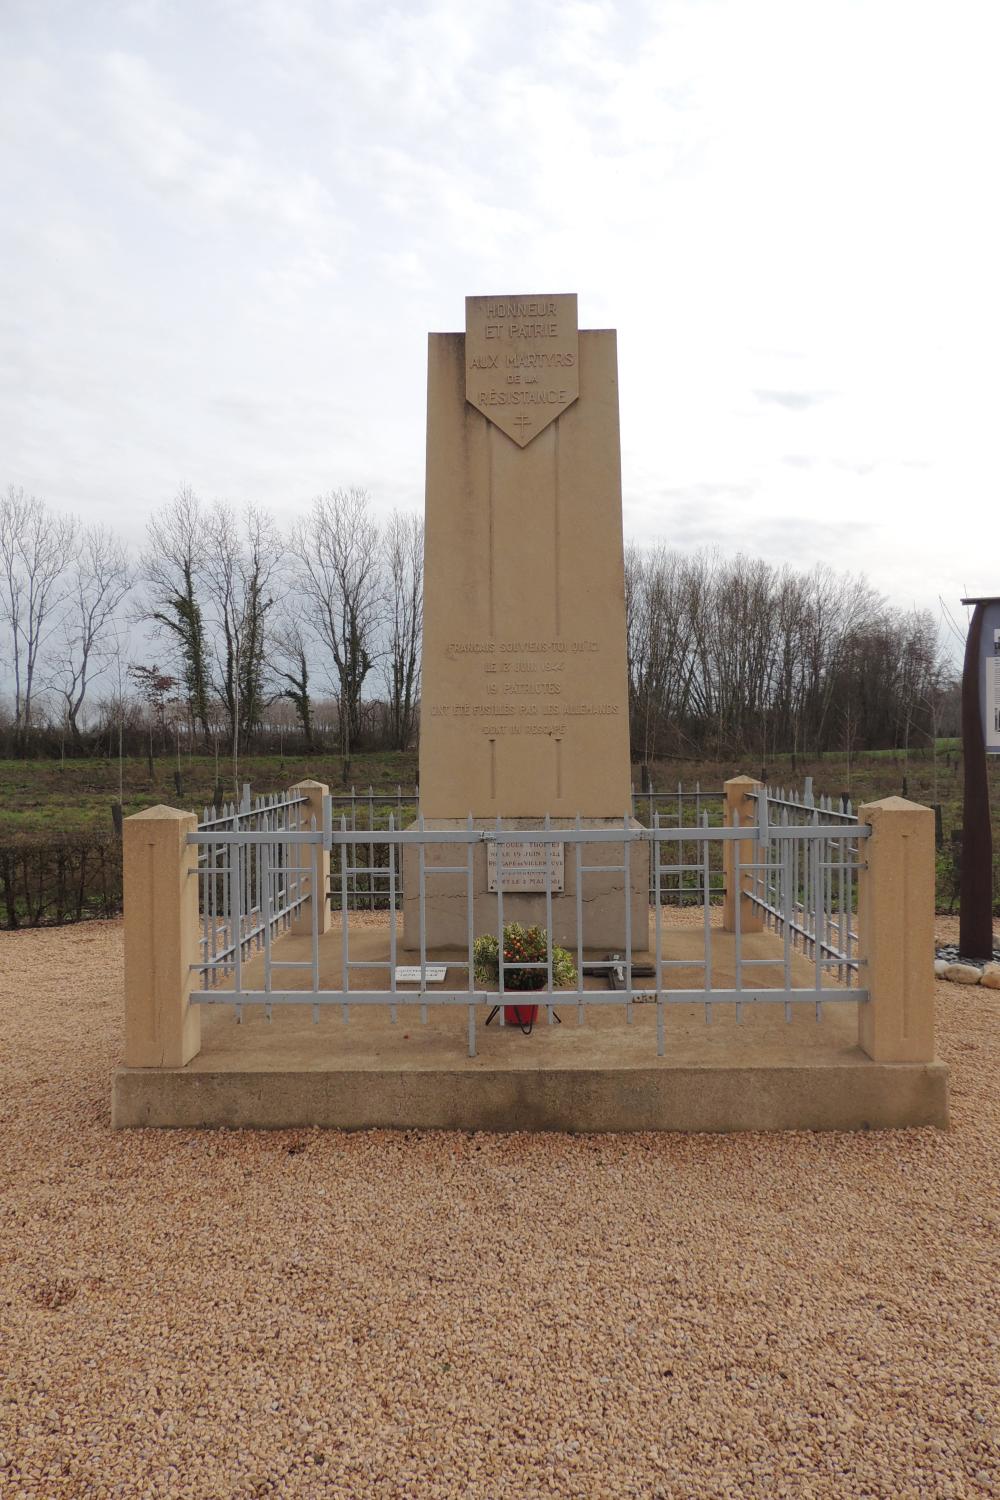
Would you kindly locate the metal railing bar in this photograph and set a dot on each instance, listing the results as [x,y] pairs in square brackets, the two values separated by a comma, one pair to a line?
[392,921]
[236,925]
[661,1043]
[824,812]
[276,963]
[541,963]
[470,908]
[265,876]
[627,898]
[250,812]
[709,834]
[422,893]
[808,934]
[423,998]
[578,855]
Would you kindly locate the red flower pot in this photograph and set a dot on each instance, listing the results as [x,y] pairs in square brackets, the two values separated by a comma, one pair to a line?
[524,1016]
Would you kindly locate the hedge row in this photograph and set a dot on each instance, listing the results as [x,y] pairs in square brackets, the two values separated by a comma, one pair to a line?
[47,881]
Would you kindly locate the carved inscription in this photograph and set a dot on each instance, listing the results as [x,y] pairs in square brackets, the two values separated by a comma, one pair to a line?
[522,360]
[528,687]
[523,865]
[455,649]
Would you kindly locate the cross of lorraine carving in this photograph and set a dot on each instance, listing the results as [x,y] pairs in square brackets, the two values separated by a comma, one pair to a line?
[522,360]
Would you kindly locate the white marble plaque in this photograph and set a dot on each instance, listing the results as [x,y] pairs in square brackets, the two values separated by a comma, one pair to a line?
[410,973]
[524,865]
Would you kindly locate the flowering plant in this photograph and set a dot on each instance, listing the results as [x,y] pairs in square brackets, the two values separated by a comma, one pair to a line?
[529,945]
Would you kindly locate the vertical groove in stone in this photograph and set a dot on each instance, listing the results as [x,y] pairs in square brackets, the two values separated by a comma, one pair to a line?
[492,588]
[555,534]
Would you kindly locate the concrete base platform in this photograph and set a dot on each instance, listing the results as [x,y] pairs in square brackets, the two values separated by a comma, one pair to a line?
[872,1097]
[604,1075]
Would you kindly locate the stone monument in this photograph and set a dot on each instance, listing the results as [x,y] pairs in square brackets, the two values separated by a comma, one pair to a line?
[524,700]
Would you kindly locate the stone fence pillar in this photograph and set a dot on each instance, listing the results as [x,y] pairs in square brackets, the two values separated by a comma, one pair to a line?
[162,1027]
[313,857]
[896,931]
[739,801]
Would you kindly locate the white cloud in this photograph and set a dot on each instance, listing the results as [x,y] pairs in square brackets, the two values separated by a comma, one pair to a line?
[232,224]
[205,174]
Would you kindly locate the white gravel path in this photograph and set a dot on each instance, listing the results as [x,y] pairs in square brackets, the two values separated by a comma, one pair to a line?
[311,1314]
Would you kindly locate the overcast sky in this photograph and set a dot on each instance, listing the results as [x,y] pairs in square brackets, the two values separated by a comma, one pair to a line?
[228,226]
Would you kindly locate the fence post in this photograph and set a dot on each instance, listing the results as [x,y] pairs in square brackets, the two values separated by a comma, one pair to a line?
[302,854]
[160,891]
[896,931]
[738,800]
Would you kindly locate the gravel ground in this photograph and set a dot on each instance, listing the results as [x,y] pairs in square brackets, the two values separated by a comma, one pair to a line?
[309,1314]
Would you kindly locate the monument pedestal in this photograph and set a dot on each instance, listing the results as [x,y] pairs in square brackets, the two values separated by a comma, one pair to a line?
[603,891]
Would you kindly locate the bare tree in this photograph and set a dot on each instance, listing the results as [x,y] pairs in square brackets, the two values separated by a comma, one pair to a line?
[35,547]
[173,565]
[403,542]
[660,661]
[735,654]
[291,646]
[241,582]
[339,556]
[98,582]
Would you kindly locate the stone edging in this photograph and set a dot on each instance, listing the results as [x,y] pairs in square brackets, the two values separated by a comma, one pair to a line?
[963,973]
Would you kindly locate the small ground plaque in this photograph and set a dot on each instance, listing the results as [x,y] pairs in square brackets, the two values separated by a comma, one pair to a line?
[524,865]
[410,973]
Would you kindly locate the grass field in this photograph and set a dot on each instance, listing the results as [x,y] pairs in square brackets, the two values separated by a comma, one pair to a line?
[38,797]
[921,776]
[45,795]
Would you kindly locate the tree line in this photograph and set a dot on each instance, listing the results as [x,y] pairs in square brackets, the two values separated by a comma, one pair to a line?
[241,617]
[250,633]
[732,656]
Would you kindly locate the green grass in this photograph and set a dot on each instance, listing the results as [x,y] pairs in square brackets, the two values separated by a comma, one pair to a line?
[43,796]
[869,776]
[923,752]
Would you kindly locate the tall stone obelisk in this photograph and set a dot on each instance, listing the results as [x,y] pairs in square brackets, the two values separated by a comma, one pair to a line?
[524,698]
[524,702]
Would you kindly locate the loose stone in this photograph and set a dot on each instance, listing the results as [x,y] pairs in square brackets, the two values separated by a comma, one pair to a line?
[963,973]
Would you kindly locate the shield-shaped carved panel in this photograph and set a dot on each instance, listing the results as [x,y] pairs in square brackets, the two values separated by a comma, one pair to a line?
[522,360]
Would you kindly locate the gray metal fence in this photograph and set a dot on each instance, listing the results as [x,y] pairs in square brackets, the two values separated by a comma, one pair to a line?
[807,890]
[258,863]
[249,889]
[692,874]
[366,811]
